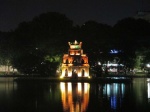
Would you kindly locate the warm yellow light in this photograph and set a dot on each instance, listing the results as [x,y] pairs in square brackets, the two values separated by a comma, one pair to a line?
[68,93]
[62,86]
[61,77]
[86,87]
[79,74]
[69,87]
[89,77]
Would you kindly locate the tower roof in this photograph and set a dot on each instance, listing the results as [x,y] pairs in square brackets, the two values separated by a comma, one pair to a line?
[75,45]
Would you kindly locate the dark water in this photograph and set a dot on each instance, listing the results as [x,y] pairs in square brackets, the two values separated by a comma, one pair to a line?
[74,97]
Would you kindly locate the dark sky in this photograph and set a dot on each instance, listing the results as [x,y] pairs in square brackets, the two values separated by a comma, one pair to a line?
[13,12]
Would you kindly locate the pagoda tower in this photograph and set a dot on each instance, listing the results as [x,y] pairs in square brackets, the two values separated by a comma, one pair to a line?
[75,63]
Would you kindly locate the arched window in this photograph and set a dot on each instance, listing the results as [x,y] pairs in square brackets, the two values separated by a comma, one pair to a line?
[82,61]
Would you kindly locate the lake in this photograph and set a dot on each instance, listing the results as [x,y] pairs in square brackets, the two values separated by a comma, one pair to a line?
[74,97]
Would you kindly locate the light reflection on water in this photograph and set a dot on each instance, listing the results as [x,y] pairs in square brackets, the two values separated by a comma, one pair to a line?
[148,89]
[114,92]
[74,97]
[7,86]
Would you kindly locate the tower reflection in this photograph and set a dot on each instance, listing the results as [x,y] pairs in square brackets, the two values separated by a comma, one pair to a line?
[75,96]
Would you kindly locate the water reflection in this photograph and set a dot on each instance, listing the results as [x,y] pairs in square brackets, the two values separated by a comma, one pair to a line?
[114,93]
[148,89]
[75,96]
[7,86]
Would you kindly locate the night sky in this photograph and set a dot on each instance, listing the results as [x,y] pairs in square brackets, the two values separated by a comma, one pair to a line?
[13,12]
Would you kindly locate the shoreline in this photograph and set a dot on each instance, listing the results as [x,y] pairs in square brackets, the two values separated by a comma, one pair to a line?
[91,80]
[113,78]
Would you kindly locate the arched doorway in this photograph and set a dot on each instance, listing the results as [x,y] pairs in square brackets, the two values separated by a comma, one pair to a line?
[83,73]
[74,73]
[75,62]
[66,73]
[67,61]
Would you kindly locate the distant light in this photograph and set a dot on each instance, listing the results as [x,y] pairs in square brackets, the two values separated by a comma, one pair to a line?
[99,63]
[121,65]
[114,51]
[148,65]
[57,71]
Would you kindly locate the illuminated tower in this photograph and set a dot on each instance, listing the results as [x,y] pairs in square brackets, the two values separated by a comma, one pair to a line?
[75,63]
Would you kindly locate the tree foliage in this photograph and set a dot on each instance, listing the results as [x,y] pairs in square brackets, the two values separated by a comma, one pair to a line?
[37,46]
[36,39]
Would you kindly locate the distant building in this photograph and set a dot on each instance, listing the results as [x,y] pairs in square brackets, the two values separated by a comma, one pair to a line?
[143,15]
[7,69]
[75,63]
